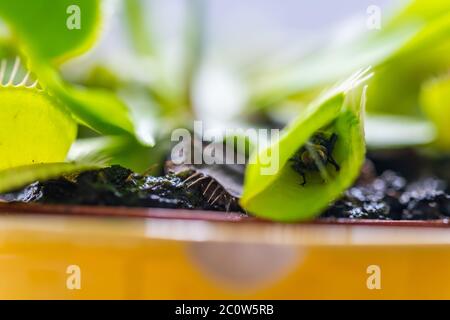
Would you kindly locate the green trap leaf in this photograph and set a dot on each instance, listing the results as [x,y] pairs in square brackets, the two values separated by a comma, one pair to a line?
[35,127]
[280,196]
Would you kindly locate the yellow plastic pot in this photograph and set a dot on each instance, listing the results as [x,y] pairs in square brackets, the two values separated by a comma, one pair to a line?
[105,257]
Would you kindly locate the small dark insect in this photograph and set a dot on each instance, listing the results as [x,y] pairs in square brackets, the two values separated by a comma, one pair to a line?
[317,152]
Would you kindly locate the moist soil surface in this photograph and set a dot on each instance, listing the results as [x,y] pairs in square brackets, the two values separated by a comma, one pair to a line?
[118,186]
[400,186]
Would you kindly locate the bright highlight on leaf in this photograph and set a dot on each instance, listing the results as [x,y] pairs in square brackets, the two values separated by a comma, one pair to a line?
[398,132]
[281,196]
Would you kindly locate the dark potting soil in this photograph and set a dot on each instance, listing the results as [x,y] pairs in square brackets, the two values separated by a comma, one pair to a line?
[401,184]
[390,197]
[414,194]
[117,186]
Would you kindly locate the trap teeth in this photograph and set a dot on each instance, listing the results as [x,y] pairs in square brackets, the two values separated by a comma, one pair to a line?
[11,79]
[212,191]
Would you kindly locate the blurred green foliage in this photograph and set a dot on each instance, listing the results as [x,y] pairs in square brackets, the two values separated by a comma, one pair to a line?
[435,101]
[412,47]
[41,26]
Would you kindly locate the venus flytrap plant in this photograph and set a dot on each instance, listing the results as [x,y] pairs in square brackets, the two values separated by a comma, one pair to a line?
[411,46]
[35,128]
[99,109]
[281,196]
[33,23]
[39,122]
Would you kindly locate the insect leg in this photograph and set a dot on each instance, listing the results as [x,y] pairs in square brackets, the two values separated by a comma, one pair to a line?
[331,144]
[332,141]
[333,162]
[304,178]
